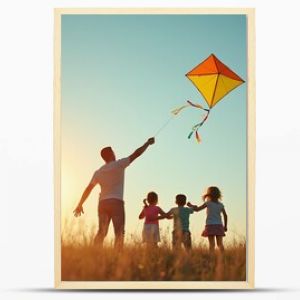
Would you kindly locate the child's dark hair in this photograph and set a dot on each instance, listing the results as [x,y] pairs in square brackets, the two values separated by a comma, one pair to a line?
[152,198]
[181,199]
[213,193]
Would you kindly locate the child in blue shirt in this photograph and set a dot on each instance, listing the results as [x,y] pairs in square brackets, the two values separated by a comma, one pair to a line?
[181,215]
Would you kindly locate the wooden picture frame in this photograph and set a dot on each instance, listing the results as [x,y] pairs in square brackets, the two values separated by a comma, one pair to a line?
[249,14]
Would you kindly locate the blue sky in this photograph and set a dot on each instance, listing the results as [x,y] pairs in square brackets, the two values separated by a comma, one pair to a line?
[121,77]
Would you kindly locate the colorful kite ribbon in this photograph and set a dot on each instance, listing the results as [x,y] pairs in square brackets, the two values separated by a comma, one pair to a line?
[176,111]
[197,126]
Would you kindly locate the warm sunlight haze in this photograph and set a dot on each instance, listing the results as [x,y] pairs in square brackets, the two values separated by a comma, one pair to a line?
[121,78]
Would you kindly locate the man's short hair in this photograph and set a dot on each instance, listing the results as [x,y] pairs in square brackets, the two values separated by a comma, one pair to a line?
[106,152]
[181,199]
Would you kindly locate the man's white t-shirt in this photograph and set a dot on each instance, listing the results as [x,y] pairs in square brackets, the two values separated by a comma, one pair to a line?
[111,179]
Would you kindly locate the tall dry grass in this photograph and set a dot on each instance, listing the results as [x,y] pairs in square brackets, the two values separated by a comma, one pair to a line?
[83,261]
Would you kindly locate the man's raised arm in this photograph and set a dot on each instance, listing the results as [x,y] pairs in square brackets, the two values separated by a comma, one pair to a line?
[138,152]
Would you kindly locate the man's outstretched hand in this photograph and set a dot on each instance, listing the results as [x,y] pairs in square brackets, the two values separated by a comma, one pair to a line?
[78,211]
[151,141]
[138,152]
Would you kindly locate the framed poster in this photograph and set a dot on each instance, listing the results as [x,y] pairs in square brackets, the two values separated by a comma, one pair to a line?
[154,132]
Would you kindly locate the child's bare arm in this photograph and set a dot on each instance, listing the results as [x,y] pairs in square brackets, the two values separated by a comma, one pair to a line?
[201,207]
[225,219]
[195,207]
[163,215]
[190,205]
[169,214]
[142,214]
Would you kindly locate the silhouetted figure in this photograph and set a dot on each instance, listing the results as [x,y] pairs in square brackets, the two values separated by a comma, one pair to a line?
[181,215]
[110,177]
[214,228]
[150,213]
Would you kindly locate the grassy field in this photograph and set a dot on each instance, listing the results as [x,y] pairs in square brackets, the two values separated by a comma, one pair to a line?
[85,262]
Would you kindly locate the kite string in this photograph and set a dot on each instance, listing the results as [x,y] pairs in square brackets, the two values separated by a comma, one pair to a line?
[163,126]
[176,111]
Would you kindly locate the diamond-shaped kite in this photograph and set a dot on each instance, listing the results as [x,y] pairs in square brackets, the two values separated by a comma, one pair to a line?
[214,80]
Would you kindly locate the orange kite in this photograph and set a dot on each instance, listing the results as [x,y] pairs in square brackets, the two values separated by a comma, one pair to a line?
[214,80]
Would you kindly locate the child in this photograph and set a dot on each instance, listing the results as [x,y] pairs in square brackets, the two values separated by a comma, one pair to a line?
[181,214]
[151,214]
[214,228]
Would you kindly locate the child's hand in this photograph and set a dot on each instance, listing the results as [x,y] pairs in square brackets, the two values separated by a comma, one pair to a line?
[225,228]
[145,202]
[189,204]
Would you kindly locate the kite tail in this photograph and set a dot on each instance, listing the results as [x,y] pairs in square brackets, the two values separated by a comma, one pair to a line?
[197,126]
[189,103]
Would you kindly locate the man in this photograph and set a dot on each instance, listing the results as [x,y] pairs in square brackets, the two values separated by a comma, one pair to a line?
[110,177]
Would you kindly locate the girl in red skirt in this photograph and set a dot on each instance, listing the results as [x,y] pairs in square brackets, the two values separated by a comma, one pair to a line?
[214,228]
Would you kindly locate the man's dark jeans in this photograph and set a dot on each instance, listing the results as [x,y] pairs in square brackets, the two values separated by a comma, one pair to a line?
[111,210]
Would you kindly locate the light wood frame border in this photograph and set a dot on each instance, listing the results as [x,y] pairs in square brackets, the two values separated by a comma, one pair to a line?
[154,285]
